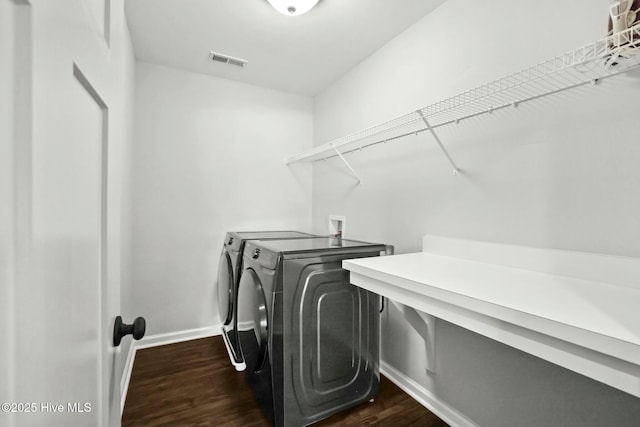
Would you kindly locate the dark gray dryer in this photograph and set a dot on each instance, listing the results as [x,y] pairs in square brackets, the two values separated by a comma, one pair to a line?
[229,271]
[312,346]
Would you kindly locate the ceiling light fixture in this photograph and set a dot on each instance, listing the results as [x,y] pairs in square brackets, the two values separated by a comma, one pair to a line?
[293,7]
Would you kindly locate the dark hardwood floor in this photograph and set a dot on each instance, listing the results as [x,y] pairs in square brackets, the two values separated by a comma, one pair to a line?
[193,384]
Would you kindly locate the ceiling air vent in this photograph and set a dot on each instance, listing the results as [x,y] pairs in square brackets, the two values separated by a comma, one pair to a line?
[226,59]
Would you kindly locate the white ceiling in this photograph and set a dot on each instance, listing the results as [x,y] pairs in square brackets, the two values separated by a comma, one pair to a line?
[302,54]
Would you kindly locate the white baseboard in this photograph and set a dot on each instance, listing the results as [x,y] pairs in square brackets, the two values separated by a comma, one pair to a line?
[426,398]
[126,375]
[156,341]
[177,336]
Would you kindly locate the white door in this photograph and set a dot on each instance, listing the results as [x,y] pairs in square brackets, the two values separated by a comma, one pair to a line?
[61,307]
[6,202]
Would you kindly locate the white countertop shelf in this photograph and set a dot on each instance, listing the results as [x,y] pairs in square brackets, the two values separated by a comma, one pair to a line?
[585,65]
[589,326]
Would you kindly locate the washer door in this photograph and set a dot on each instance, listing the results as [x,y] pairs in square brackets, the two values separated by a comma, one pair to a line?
[253,332]
[226,288]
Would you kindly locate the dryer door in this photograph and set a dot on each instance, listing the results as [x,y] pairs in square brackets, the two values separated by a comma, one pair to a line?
[254,333]
[226,288]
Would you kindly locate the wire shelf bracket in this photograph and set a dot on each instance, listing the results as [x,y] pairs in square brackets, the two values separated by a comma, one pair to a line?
[587,65]
[435,136]
[353,172]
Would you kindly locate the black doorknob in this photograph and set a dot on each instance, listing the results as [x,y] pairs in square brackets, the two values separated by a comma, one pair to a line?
[121,329]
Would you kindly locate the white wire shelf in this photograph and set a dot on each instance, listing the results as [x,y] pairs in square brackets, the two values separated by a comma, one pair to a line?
[611,56]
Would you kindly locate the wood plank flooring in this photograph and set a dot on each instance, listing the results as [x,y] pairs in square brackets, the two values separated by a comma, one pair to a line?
[193,384]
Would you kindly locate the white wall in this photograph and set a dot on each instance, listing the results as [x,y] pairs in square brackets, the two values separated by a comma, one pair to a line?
[560,172]
[209,158]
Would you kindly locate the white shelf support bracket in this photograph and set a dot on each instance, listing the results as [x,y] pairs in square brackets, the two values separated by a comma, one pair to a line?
[425,325]
[347,163]
[435,136]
